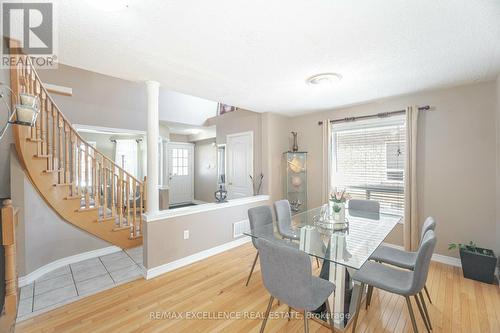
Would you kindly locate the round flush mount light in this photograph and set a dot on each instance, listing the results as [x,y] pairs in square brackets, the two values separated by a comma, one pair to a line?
[324,78]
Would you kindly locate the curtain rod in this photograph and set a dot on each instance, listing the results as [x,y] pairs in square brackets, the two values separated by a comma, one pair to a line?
[378,115]
[114,140]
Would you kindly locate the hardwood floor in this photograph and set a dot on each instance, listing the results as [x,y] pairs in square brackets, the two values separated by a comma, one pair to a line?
[217,285]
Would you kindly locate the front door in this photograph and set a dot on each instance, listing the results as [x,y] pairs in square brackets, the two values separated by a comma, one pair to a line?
[180,172]
[239,155]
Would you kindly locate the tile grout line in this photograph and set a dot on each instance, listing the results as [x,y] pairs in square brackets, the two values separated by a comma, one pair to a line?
[109,273]
[74,282]
[33,298]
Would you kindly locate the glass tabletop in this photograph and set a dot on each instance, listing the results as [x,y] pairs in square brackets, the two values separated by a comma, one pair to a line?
[351,246]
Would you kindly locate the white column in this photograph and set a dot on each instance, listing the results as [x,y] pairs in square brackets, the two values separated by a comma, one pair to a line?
[153,88]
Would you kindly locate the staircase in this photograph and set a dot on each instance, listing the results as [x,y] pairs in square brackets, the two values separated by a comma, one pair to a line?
[84,187]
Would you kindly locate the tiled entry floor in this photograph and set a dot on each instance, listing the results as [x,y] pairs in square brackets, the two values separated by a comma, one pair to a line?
[75,281]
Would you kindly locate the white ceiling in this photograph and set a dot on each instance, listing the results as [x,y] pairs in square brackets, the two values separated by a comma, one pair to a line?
[187,129]
[257,54]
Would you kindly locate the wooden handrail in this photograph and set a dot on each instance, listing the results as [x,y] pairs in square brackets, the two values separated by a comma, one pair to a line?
[9,221]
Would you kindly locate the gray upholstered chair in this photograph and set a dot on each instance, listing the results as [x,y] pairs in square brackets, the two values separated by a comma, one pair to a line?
[401,282]
[368,206]
[287,275]
[259,217]
[400,258]
[284,220]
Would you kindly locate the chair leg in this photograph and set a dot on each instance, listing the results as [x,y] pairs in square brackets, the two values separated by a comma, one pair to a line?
[424,318]
[425,309]
[369,297]
[253,266]
[358,307]
[329,314]
[412,315]
[266,315]
[427,293]
[317,262]
[306,323]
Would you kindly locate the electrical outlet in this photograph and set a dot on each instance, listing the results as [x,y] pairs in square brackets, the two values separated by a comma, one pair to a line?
[186,234]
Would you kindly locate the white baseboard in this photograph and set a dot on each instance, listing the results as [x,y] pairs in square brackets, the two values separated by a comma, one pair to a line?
[452,261]
[159,270]
[27,279]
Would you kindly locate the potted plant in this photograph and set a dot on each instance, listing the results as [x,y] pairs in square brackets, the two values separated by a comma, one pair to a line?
[338,199]
[477,263]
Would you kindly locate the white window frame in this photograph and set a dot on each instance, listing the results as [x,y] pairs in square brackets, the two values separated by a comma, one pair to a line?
[356,125]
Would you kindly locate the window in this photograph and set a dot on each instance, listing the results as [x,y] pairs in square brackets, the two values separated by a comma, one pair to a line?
[126,155]
[180,162]
[368,158]
[395,160]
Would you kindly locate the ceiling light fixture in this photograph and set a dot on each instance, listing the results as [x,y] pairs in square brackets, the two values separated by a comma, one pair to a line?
[324,78]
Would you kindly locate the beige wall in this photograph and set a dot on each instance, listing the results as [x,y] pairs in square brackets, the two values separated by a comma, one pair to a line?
[243,121]
[42,236]
[498,169]
[205,170]
[164,238]
[456,163]
[178,137]
[275,141]
[99,100]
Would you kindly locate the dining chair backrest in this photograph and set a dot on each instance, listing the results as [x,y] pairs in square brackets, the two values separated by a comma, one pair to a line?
[286,273]
[259,216]
[368,206]
[283,216]
[429,224]
[423,261]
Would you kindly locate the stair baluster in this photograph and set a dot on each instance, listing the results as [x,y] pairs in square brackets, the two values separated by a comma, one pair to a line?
[100,187]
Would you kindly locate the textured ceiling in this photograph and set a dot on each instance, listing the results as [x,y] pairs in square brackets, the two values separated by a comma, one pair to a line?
[257,54]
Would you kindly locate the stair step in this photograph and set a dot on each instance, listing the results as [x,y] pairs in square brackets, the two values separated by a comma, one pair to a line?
[135,237]
[121,228]
[53,170]
[84,209]
[63,184]
[42,156]
[104,219]
[79,197]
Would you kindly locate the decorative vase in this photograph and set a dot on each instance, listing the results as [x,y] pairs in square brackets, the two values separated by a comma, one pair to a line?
[338,211]
[220,195]
[295,144]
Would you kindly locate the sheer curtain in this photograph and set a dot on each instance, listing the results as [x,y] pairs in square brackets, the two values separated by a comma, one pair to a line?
[126,155]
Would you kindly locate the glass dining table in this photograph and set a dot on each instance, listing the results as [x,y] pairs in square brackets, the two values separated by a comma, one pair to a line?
[342,251]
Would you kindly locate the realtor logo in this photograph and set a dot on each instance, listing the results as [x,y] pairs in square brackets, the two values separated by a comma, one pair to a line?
[30,29]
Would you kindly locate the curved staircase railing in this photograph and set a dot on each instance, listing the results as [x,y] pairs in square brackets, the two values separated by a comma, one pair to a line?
[80,183]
